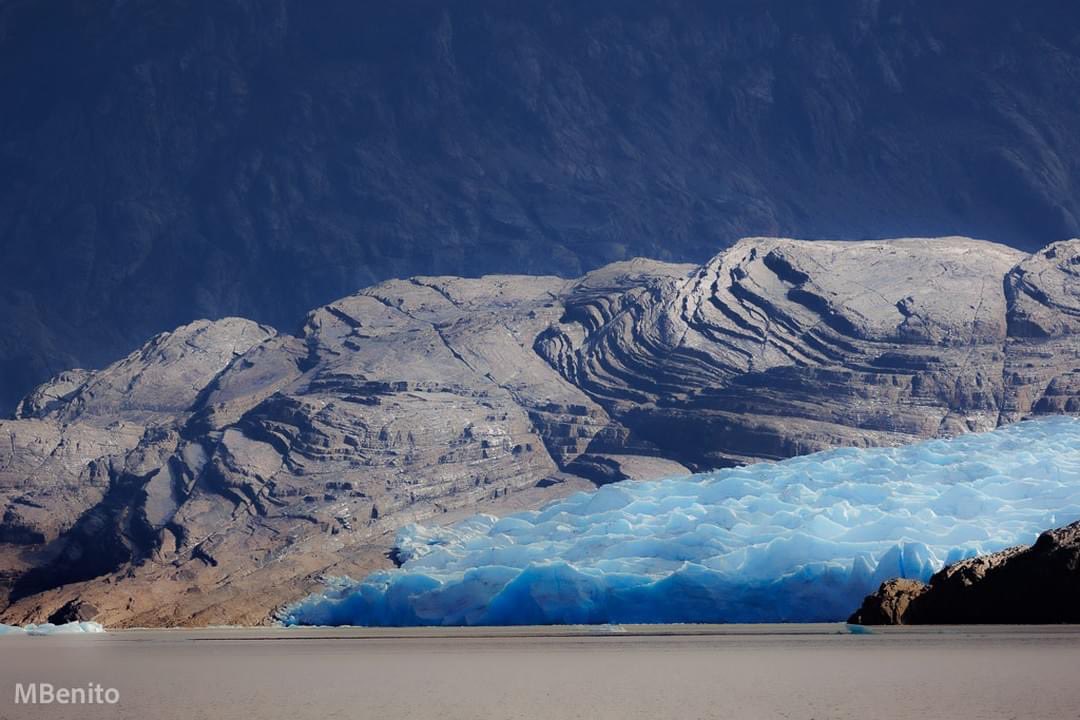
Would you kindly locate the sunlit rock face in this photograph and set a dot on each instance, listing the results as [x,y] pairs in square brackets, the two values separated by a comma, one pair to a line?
[781,347]
[225,466]
[800,540]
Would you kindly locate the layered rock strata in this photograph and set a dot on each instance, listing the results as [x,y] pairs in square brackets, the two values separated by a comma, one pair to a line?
[225,466]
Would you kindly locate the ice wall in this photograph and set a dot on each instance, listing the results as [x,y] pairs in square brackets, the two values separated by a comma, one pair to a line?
[800,540]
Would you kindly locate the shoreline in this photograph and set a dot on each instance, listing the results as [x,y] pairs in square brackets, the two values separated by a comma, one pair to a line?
[488,632]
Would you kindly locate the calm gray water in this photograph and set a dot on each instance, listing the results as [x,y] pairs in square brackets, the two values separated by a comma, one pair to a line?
[739,672]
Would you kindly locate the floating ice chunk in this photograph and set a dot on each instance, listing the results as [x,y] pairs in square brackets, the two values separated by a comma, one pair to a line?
[800,540]
[50,629]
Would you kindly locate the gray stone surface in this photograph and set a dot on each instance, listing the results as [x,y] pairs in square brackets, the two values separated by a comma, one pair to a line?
[224,467]
[782,347]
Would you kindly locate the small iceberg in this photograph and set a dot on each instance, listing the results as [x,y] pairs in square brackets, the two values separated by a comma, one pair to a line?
[71,628]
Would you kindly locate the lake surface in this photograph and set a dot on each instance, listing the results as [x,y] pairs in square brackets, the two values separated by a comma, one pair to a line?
[624,672]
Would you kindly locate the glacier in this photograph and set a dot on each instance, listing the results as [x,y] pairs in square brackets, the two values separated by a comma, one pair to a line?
[800,540]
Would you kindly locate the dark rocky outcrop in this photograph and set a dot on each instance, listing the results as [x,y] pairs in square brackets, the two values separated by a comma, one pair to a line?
[163,161]
[222,468]
[1039,584]
[74,611]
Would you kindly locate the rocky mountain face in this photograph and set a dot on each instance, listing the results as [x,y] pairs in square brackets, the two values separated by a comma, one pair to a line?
[166,161]
[221,469]
[1039,584]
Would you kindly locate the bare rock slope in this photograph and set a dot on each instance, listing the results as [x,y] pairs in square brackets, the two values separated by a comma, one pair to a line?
[223,468]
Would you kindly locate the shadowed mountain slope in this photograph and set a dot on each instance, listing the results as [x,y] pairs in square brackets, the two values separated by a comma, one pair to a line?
[162,162]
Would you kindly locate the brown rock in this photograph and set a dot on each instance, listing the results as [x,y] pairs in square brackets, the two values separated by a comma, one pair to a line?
[889,604]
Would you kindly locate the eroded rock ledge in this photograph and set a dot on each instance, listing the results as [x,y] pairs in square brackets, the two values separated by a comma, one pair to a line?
[222,468]
[1039,584]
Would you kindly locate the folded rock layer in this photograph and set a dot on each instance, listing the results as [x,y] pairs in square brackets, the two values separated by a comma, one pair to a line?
[224,467]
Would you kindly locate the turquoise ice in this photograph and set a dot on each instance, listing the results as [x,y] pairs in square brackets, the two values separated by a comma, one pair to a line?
[795,541]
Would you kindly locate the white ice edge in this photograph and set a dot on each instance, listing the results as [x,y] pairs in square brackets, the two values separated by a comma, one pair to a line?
[72,628]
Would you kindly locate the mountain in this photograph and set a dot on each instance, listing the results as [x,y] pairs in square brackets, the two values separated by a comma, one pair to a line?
[164,161]
[224,467]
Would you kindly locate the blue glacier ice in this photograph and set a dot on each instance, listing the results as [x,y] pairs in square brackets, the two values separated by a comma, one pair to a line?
[800,540]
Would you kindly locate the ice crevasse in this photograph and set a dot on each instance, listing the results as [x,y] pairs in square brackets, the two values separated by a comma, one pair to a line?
[800,540]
